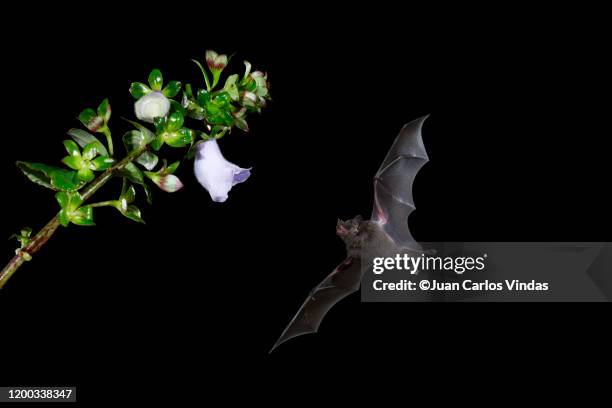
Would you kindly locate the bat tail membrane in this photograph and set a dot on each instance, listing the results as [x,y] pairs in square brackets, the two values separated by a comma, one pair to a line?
[393,201]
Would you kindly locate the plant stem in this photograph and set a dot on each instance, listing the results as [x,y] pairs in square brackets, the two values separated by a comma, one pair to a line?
[48,230]
[109,139]
[103,204]
[35,244]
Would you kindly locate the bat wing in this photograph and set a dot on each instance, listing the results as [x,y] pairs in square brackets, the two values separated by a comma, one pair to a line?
[343,281]
[393,181]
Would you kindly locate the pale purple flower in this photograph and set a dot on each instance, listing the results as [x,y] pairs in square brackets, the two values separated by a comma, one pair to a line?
[216,174]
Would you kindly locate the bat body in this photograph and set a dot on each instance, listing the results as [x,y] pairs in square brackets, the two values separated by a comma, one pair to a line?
[386,234]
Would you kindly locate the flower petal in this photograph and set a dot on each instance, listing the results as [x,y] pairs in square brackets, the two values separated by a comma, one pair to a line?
[151,106]
[215,173]
[240,176]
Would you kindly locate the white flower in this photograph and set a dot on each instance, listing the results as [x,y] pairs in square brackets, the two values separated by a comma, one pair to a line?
[151,106]
[216,174]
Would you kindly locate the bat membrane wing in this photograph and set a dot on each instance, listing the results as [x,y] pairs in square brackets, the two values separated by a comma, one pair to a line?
[393,201]
[343,281]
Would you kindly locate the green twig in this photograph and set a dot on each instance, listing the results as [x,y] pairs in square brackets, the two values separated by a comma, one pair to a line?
[103,204]
[109,139]
[208,88]
[48,230]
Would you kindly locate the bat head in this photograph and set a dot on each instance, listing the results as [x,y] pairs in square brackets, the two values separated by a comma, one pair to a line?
[350,228]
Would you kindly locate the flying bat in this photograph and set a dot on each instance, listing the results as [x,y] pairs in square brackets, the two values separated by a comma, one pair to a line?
[385,234]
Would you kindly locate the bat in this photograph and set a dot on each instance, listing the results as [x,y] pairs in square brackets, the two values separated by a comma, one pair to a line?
[385,234]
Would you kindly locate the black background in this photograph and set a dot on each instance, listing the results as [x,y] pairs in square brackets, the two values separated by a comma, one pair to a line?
[516,140]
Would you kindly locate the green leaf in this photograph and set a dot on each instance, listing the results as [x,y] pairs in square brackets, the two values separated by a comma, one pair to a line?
[74,162]
[188,91]
[85,175]
[90,119]
[203,97]
[231,88]
[87,115]
[132,173]
[69,200]
[240,121]
[90,151]
[220,117]
[148,160]
[160,124]
[241,124]
[148,193]
[216,76]
[102,163]
[249,99]
[171,168]
[217,132]
[55,178]
[72,148]
[195,111]
[70,211]
[193,149]
[133,140]
[129,195]
[247,70]
[172,89]
[148,135]
[66,180]
[223,100]
[260,79]
[104,110]
[82,216]
[176,107]
[133,213]
[249,84]
[181,138]
[157,143]
[25,232]
[63,199]
[138,90]
[23,237]
[64,218]
[156,80]
[175,121]
[83,138]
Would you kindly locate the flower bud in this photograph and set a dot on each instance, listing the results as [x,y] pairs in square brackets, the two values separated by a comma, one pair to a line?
[167,182]
[151,106]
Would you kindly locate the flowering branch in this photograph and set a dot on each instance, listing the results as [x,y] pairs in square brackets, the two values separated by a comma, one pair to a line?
[218,110]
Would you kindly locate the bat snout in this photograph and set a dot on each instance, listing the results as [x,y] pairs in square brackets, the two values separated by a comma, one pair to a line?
[340,230]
